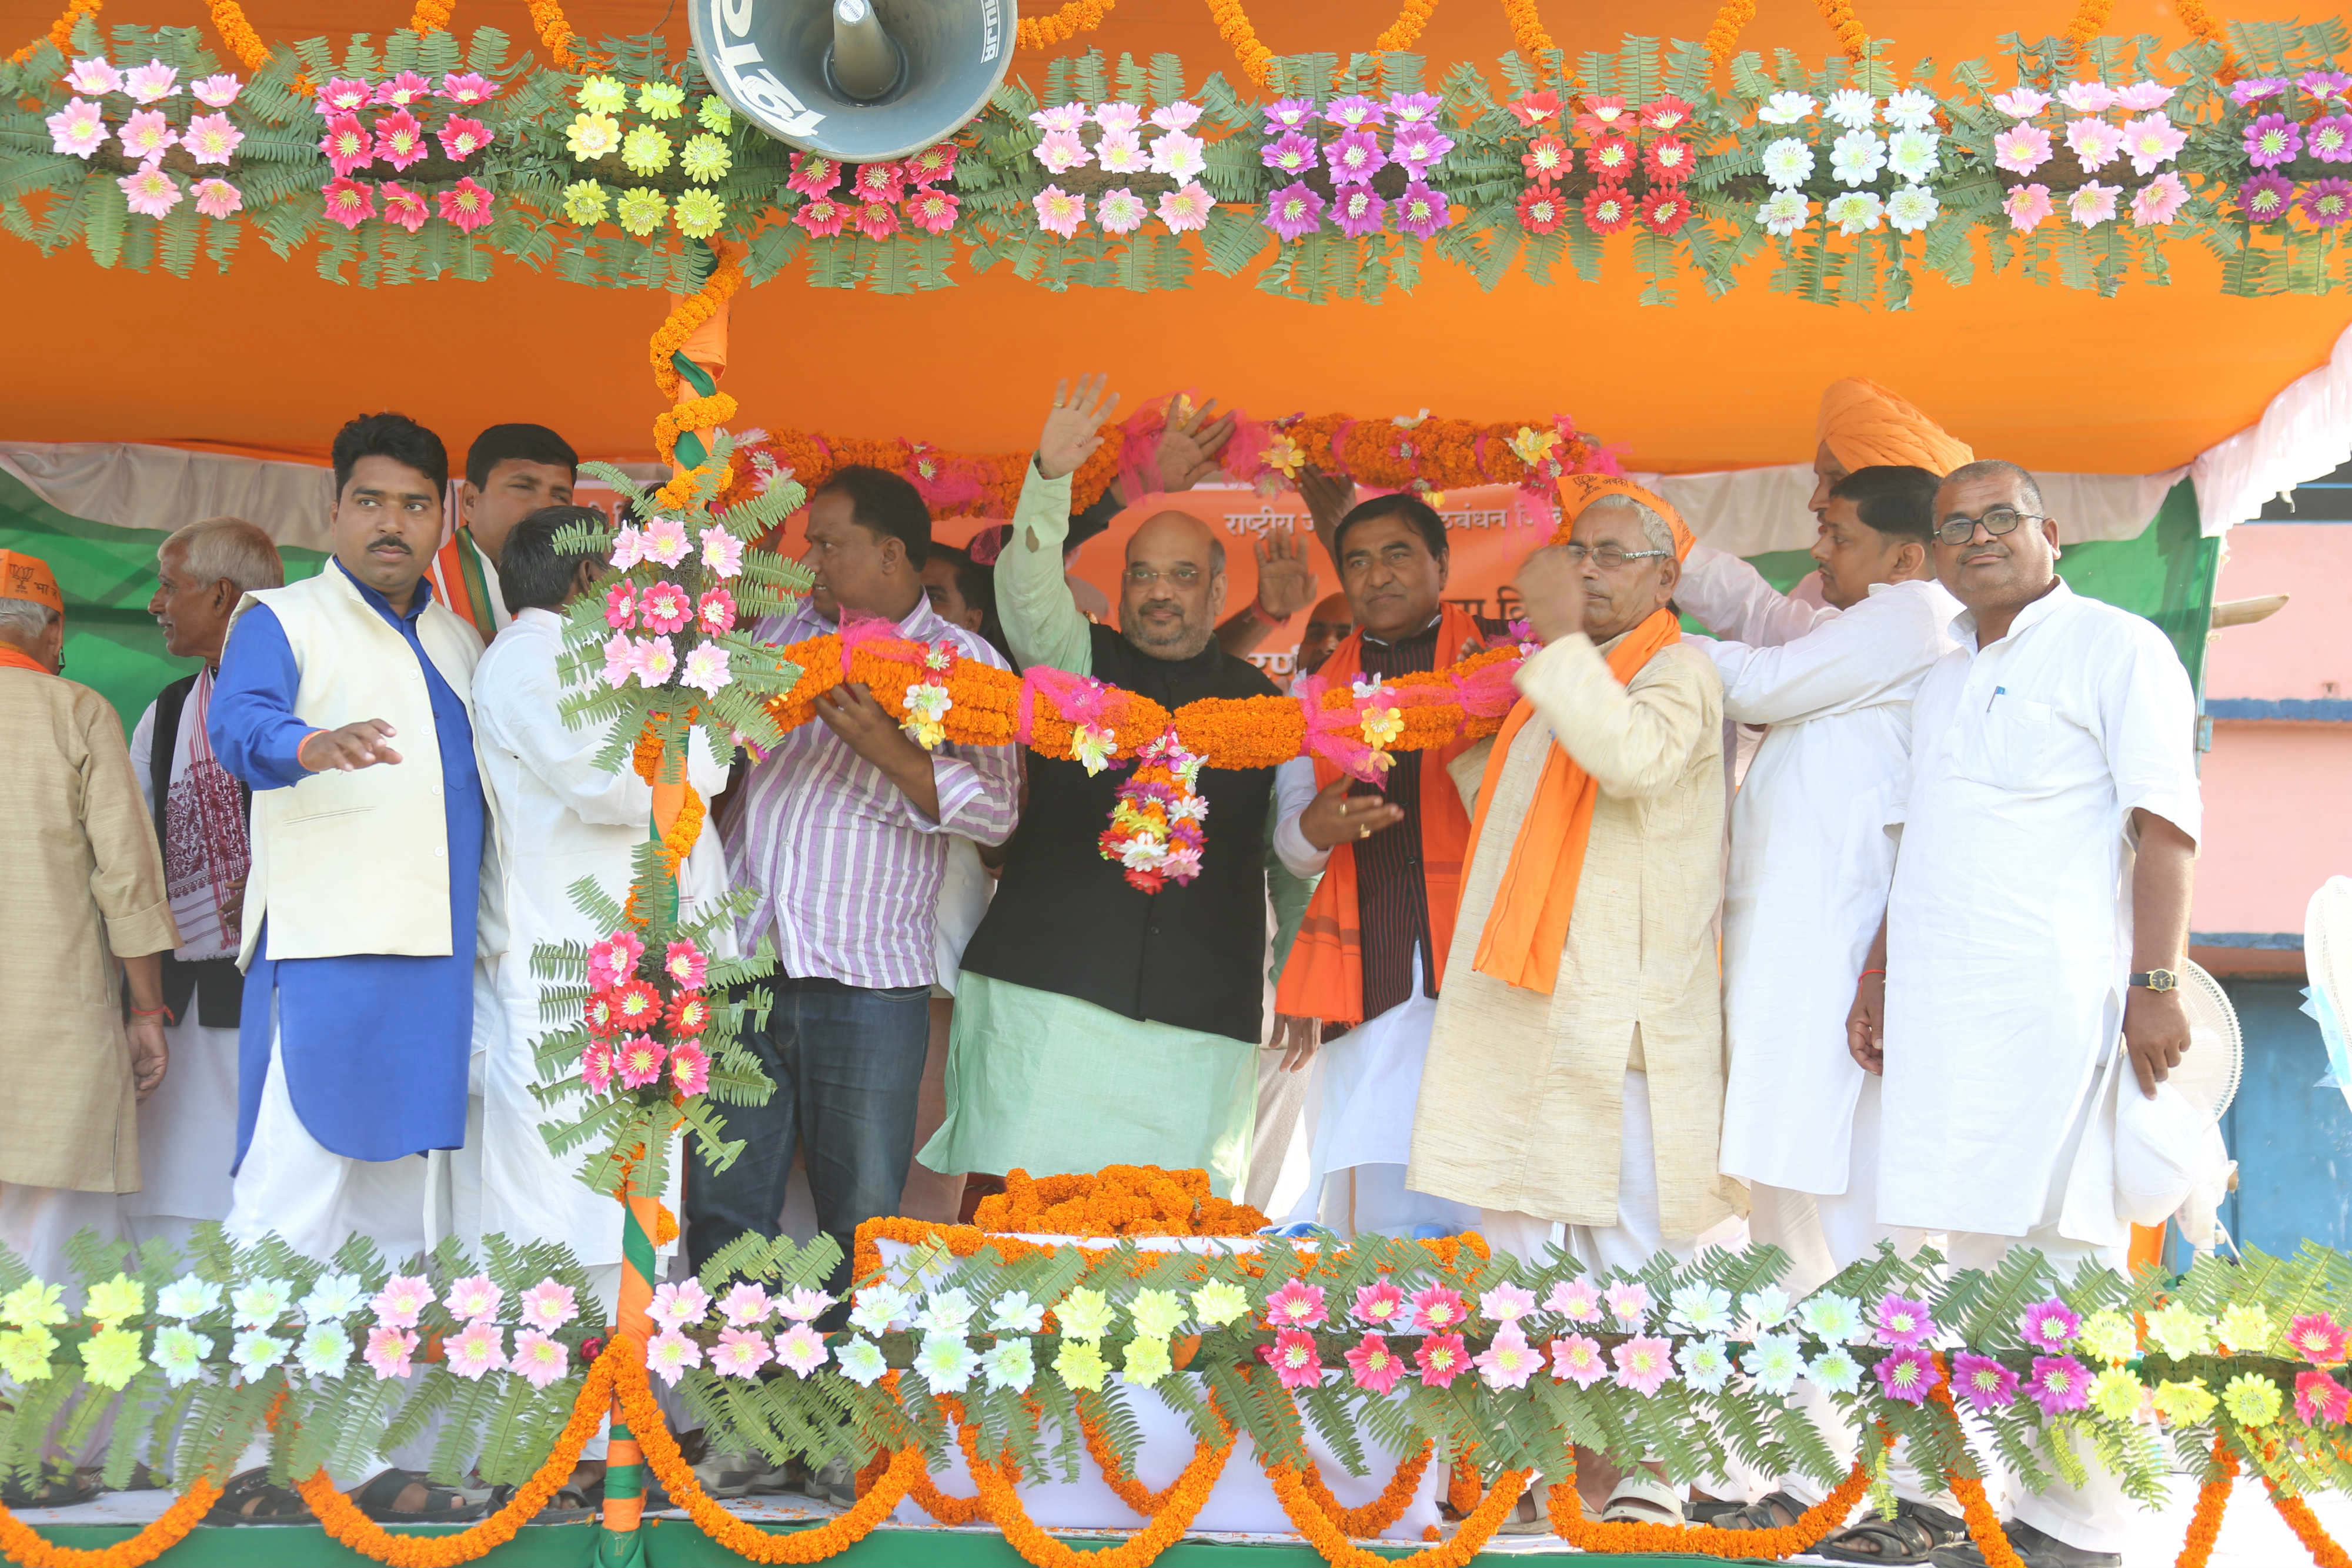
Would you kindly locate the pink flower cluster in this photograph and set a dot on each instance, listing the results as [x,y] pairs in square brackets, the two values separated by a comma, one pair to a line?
[146,134]
[400,139]
[880,195]
[625,1010]
[2143,135]
[1354,155]
[1120,149]
[479,1345]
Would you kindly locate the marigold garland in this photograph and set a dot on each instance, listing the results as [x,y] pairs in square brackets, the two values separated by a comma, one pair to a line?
[345,1522]
[1462,1486]
[1075,16]
[1234,26]
[1125,1488]
[2090,21]
[555,32]
[1984,1523]
[1723,38]
[1336,1549]
[228,20]
[1383,1510]
[1853,38]
[686,316]
[696,413]
[60,31]
[2307,1529]
[2213,1497]
[1801,1533]
[24,1545]
[2206,30]
[1117,1200]
[1005,1511]
[946,1510]
[432,16]
[1526,28]
[1402,32]
[679,841]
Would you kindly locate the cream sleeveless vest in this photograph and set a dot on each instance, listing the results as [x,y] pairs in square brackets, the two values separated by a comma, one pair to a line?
[359,862]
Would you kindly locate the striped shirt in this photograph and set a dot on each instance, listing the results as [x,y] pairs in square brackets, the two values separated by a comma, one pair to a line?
[848,871]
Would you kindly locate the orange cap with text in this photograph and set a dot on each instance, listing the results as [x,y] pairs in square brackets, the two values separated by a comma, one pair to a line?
[28,577]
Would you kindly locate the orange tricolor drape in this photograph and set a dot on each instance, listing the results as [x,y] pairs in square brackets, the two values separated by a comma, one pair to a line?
[1324,977]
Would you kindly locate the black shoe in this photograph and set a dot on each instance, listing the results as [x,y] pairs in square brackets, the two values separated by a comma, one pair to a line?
[2035,1549]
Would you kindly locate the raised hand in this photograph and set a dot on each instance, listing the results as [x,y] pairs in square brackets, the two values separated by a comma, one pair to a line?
[1286,583]
[1328,496]
[360,745]
[1070,435]
[1188,445]
[1551,593]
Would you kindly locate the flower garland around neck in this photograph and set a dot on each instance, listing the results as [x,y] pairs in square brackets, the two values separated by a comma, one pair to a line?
[1333,1547]
[1155,832]
[1803,1534]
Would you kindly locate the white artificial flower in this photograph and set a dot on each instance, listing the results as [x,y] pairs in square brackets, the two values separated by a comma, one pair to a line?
[1774,1363]
[1705,1363]
[947,1311]
[862,1362]
[1835,1372]
[187,1297]
[879,1306]
[334,1296]
[1702,1308]
[1013,1363]
[1851,108]
[1912,208]
[1856,157]
[946,1362]
[1787,107]
[1014,1312]
[326,1348]
[260,1303]
[1856,213]
[1911,155]
[1911,108]
[1785,213]
[181,1354]
[256,1352]
[1830,1317]
[1787,162]
[1767,1308]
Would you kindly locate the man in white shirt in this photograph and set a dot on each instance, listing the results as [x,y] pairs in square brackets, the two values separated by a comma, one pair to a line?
[2040,904]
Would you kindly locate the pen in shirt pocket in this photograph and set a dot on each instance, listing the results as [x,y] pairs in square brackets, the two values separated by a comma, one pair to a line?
[1998,692]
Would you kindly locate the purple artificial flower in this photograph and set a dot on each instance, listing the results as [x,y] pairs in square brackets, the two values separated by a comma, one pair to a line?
[1289,114]
[1358,212]
[1417,149]
[1291,154]
[1982,1380]
[2253,89]
[2328,203]
[2265,197]
[1422,211]
[2272,140]
[1354,158]
[2050,1325]
[1294,210]
[1355,111]
[2324,84]
[2330,138]
[1416,108]
[1903,1322]
[2059,1383]
[1908,1374]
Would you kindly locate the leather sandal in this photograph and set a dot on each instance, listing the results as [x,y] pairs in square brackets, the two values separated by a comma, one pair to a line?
[1914,1535]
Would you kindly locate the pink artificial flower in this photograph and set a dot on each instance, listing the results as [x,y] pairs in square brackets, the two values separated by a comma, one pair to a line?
[217,198]
[1186,211]
[461,137]
[613,959]
[738,1352]
[467,205]
[388,1351]
[620,612]
[1644,1365]
[1294,211]
[2318,1339]
[399,139]
[548,1305]
[1373,1364]
[342,96]
[2050,1325]
[1577,1359]
[746,1303]
[211,138]
[1061,151]
[1983,1382]
[1578,1301]
[150,83]
[803,1304]
[1358,212]
[1442,1358]
[2059,1383]
[1508,1303]
[2087,97]
[1902,1322]
[404,89]
[2324,84]
[1378,1302]
[620,660]
[715,611]
[1296,1305]
[812,176]
[2152,140]
[79,128]
[1121,154]
[2021,149]
[1908,1373]
[722,552]
[706,669]
[664,607]
[473,1297]
[931,166]
[2096,142]
[539,1360]
[656,661]
[2328,203]
[2253,89]
[1665,113]
[1286,114]
[1510,1361]
[347,144]
[1295,1363]
[147,135]
[1604,114]
[93,76]
[666,541]
[478,1348]
[1059,212]
[878,182]
[596,1067]
[1177,116]
[2142,96]
[931,211]
[2021,103]
[2027,206]
[1356,156]
[1438,1309]
[1629,1300]
[628,547]
[1420,148]
[2265,197]
[877,220]
[639,1059]
[469,87]
[2092,204]
[401,1300]
[669,1355]
[679,1304]
[403,206]
[800,1350]
[689,1068]
[150,191]
[2319,1397]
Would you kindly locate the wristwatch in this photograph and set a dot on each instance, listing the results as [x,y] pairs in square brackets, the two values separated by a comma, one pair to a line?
[2159,979]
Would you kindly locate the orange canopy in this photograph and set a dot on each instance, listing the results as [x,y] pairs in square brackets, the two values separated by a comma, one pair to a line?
[272,356]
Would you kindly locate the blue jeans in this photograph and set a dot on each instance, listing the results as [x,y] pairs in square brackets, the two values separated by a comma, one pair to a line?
[847,1062]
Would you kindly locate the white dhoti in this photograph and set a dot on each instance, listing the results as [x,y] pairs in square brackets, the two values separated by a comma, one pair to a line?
[291,1186]
[187,1138]
[36,1223]
[1625,1246]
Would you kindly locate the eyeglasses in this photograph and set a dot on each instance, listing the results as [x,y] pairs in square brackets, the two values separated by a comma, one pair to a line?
[1608,558]
[1145,576]
[1999,522]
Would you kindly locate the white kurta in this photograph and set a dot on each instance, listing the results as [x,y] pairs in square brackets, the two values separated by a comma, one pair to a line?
[561,817]
[2009,924]
[1810,861]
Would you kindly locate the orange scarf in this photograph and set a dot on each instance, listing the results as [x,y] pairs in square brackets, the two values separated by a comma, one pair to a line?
[12,657]
[1324,976]
[1528,925]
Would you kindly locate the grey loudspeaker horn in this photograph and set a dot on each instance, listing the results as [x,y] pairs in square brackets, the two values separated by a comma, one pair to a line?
[858,80]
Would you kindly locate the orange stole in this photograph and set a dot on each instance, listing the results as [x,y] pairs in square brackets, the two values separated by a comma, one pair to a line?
[458,583]
[1324,978]
[1528,925]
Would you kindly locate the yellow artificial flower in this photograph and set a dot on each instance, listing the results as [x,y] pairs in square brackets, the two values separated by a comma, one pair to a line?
[2188,1404]
[2109,1336]
[2244,1329]
[2115,1394]
[2179,1331]
[584,203]
[1532,446]
[1219,1302]
[1147,1362]
[603,95]
[699,214]
[25,1353]
[592,136]
[1285,456]
[2252,1400]
[661,100]
[1080,1364]
[111,1357]
[114,1300]
[715,116]
[641,211]
[646,150]
[704,159]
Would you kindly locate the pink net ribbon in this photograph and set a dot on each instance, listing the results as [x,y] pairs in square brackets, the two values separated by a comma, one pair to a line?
[1080,700]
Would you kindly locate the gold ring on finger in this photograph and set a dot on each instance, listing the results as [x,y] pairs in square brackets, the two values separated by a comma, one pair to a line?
[1365,832]
[1343,808]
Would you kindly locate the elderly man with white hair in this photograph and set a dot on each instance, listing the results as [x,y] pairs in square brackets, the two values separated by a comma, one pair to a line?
[187,1129]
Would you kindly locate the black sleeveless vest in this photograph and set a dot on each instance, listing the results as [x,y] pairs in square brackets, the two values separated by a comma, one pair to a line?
[217,985]
[1065,920]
